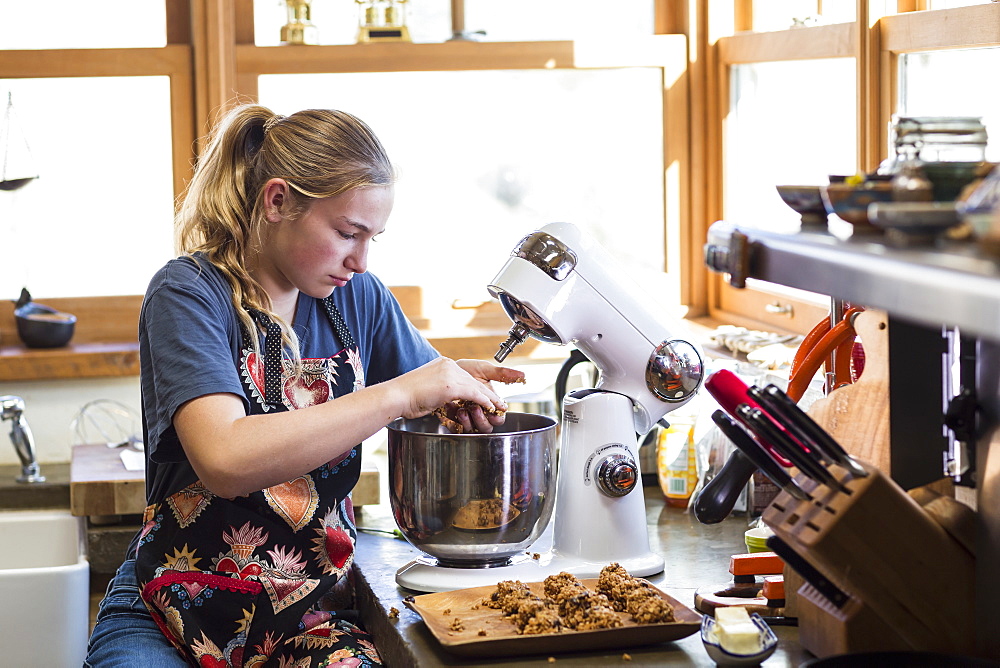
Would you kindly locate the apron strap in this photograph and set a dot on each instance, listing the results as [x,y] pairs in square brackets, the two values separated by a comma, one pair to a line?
[337,319]
[273,347]
[272,358]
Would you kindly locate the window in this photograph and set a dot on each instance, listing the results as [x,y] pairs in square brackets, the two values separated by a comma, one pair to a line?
[789,123]
[914,57]
[98,221]
[789,116]
[485,157]
[783,14]
[72,24]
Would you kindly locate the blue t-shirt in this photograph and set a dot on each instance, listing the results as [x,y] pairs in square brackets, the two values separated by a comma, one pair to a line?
[191,344]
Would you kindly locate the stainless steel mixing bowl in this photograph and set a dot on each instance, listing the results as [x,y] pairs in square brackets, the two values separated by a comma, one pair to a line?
[472,500]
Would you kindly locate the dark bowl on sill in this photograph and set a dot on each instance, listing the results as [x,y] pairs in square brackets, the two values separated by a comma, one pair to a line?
[807,201]
[950,178]
[43,326]
[850,202]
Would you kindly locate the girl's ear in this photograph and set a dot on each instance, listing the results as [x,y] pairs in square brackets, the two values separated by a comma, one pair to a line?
[275,196]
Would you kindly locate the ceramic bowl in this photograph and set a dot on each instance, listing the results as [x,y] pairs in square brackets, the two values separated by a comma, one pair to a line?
[807,201]
[909,224]
[768,643]
[949,178]
[850,203]
[43,327]
[472,500]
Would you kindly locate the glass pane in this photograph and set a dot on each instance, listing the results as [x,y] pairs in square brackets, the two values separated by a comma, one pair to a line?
[486,157]
[953,83]
[429,21]
[72,24]
[770,15]
[789,123]
[98,220]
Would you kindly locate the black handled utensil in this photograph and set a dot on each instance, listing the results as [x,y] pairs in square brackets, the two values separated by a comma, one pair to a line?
[716,500]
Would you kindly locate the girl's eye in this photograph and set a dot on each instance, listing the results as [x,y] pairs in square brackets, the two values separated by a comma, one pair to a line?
[345,235]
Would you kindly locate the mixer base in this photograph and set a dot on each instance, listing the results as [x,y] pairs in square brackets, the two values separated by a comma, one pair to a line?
[426,575]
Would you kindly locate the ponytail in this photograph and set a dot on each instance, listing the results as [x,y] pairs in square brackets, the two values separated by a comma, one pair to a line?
[320,153]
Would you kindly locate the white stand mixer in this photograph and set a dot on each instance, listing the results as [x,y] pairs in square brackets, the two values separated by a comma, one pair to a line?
[561,287]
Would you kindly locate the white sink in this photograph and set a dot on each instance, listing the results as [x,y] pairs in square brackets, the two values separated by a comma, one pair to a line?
[44,587]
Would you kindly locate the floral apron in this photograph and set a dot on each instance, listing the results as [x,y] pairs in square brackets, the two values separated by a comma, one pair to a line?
[236,582]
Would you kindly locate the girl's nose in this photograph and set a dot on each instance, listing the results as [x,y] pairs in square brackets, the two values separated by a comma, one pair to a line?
[357,261]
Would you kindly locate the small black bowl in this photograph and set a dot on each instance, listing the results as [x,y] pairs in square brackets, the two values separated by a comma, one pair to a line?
[807,202]
[43,327]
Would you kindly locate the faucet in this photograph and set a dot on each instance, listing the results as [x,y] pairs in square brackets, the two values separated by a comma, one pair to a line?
[12,408]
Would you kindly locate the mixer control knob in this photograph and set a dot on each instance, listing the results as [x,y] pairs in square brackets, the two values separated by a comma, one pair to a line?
[617,475]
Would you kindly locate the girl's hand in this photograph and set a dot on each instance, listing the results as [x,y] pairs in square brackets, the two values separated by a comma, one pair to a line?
[477,420]
[439,382]
[486,371]
[444,380]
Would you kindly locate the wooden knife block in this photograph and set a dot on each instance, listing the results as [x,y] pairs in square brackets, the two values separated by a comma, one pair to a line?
[899,566]
[826,630]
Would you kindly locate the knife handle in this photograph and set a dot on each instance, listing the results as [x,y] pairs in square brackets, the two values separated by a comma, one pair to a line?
[806,461]
[730,391]
[716,499]
[758,455]
[781,406]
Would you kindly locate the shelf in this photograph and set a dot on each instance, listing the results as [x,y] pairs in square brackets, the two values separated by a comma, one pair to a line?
[84,360]
[653,51]
[953,286]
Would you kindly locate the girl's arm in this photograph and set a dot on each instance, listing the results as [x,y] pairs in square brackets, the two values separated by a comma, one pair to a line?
[235,454]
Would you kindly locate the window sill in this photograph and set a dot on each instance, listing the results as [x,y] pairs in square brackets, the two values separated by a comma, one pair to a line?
[105,360]
[470,337]
[82,360]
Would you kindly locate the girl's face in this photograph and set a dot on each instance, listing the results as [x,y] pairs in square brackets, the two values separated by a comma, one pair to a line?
[322,249]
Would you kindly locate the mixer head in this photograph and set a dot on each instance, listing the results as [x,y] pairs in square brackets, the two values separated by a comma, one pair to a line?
[560,286]
[553,258]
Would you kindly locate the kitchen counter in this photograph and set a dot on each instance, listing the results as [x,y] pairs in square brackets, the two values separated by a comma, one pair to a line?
[696,555]
[53,493]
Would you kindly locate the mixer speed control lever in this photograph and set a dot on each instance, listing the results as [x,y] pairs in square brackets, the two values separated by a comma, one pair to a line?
[617,475]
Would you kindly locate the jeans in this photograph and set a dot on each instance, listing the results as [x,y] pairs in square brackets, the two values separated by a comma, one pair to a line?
[125,634]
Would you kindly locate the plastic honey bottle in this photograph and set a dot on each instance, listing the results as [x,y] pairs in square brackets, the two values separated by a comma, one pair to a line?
[675,461]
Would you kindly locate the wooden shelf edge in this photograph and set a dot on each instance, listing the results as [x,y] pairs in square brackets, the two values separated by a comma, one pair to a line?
[84,360]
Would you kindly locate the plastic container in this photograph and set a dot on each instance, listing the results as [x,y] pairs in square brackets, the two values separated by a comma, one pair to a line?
[676,465]
[756,538]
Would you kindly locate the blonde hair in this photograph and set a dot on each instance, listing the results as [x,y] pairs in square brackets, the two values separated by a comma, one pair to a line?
[320,153]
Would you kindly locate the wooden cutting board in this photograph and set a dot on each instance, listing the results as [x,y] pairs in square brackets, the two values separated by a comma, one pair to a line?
[857,415]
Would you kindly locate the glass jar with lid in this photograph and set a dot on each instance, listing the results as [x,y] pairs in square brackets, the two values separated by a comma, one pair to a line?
[938,138]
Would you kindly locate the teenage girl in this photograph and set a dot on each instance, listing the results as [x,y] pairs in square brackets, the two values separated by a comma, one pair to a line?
[268,355]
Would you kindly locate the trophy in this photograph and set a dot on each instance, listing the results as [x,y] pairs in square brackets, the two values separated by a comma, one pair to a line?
[299,29]
[382,21]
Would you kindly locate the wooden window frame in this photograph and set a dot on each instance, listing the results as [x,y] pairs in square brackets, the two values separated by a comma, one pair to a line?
[105,339]
[212,63]
[876,42]
[747,307]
